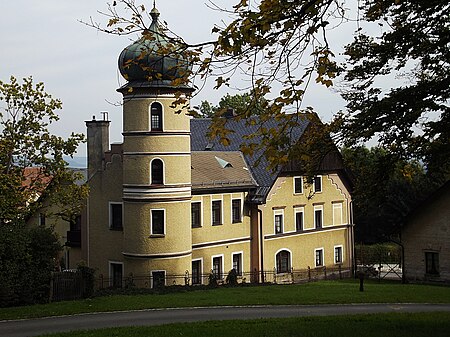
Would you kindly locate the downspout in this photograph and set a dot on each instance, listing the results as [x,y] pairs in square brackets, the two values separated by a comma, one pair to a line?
[261,244]
[352,240]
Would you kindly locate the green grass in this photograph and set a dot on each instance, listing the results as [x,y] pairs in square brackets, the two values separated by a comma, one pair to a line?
[324,292]
[387,325]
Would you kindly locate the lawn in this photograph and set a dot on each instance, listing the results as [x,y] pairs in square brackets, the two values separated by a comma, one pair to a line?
[323,292]
[387,325]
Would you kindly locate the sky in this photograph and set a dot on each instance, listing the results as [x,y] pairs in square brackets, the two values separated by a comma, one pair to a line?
[78,64]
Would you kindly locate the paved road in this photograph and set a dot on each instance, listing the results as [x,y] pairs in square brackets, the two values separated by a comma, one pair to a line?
[35,327]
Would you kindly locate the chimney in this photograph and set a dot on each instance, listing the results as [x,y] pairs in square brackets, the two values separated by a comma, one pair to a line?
[97,143]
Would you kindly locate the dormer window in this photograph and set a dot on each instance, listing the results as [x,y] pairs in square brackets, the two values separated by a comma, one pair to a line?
[156,117]
[157,172]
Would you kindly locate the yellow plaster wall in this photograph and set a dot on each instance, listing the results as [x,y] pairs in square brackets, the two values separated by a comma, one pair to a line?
[226,231]
[137,169]
[138,238]
[136,114]
[227,250]
[283,199]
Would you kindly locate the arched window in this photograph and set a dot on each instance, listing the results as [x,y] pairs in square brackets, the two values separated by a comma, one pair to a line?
[156,117]
[283,261]
[157,172]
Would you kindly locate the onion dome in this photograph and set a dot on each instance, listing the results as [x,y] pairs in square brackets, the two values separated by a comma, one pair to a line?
[155,60]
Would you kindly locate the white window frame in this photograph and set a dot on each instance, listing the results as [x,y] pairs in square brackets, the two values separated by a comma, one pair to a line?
[299,210]
[150,116]
[110,203]
[221,211]
[241,209]
[201,212]
[241,253]
[318,208]
[290,260]
[222,264]
[275,213]
[201,270]
[341,255]
[163,170]
[110,263]
[164,222]
[321,184]
[323,257]
[157,271]
[335,206]
[301,184]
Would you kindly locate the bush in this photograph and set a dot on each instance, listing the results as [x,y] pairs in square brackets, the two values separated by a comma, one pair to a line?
[27,258]
[232,278]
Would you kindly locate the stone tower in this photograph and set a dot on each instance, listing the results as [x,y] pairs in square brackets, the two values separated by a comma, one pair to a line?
[156,157]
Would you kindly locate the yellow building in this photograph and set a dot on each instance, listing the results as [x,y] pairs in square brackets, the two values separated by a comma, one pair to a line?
[169,206]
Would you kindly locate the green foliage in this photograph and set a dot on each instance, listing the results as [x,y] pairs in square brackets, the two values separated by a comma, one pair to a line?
[412,116]
[27,258]
[88,276]
[28,255]
[25,141]
[386,189]
[232,278]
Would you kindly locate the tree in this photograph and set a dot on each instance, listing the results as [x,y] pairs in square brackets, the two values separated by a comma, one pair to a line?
[410,117]
[282,45]
[26,142]
[31,169]
[238,104]
[387,188]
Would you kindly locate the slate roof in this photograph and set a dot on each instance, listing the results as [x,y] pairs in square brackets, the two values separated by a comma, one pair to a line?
[212,170]
[263,177]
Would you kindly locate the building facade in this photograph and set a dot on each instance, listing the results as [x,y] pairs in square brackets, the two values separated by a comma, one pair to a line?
[171,206]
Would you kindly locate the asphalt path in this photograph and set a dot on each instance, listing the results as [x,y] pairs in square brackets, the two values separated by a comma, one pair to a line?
[36,327]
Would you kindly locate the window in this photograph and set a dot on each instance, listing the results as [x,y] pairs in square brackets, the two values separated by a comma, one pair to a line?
[157,173]
[237,263]
[42,219]
[217,212]
[432,263]
[318,216]
[338,254]
[196,216]
[75,224]
[318,257]
[217,267]
[157,224]
[197,272]
[298,185]
[283,260]
[156,117]
[278,223]
[158,279]
[337,214]
[236,210]
[115,216]
[318,184]
[299,220]
[116,274]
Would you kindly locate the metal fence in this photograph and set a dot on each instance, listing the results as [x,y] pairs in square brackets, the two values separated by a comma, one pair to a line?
[66,285]
[187,279]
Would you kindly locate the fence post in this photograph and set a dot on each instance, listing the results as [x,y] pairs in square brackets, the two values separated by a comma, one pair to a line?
[186,278]
[325,272]
[340,272]
[51,287]
[292,275]
[101,281]
[274,275]
[309,273]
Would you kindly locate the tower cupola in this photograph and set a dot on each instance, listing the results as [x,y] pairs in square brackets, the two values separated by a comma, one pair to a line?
[156,60]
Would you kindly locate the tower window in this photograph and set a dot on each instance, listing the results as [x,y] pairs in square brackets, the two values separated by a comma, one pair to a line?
[157,225]
[156,117]
[157,172]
